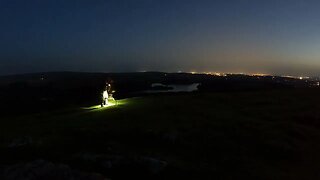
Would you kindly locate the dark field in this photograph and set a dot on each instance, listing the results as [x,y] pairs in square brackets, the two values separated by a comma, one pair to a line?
[271,134]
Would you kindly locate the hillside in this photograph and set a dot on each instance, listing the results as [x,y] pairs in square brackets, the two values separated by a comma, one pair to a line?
[241,135]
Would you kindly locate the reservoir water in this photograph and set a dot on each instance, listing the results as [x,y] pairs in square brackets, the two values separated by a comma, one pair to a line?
[175,88]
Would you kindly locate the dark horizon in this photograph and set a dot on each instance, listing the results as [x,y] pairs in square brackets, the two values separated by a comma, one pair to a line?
[179,72]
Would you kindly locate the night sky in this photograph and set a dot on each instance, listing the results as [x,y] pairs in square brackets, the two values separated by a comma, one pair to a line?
[250,36]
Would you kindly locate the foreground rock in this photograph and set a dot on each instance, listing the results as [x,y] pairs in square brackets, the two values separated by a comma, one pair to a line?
[113,163]
[43,170]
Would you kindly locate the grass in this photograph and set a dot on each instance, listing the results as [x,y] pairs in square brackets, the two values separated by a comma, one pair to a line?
[253,135]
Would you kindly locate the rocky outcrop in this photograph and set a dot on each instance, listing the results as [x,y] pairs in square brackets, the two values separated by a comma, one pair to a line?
[44,170]
[144,164]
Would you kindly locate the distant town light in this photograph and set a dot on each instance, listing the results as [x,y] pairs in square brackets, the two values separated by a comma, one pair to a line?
[260,74]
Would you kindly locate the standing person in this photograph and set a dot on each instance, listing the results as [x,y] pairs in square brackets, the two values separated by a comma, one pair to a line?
[105,94]
[105,97]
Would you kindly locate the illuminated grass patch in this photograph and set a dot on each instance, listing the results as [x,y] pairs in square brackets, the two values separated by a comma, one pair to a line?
[111,103]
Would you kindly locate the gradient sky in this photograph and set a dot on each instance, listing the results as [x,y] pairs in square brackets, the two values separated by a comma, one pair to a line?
[268,36]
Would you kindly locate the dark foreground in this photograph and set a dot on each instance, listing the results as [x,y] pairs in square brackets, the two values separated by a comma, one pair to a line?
[244,135]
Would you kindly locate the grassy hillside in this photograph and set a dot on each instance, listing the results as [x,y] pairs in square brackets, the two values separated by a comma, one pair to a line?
[259,135]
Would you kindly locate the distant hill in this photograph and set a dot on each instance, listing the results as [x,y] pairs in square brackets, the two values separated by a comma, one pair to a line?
[59,89]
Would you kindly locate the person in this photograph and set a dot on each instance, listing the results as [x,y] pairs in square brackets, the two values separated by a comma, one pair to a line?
[105,95]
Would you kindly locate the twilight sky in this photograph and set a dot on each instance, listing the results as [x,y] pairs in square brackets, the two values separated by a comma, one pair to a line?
[267,36]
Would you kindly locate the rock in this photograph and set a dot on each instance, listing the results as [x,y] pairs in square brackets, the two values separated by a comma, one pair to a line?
[20,142]
[116,162]
[104,161]
[153,165]
[40,169]
[170,137]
